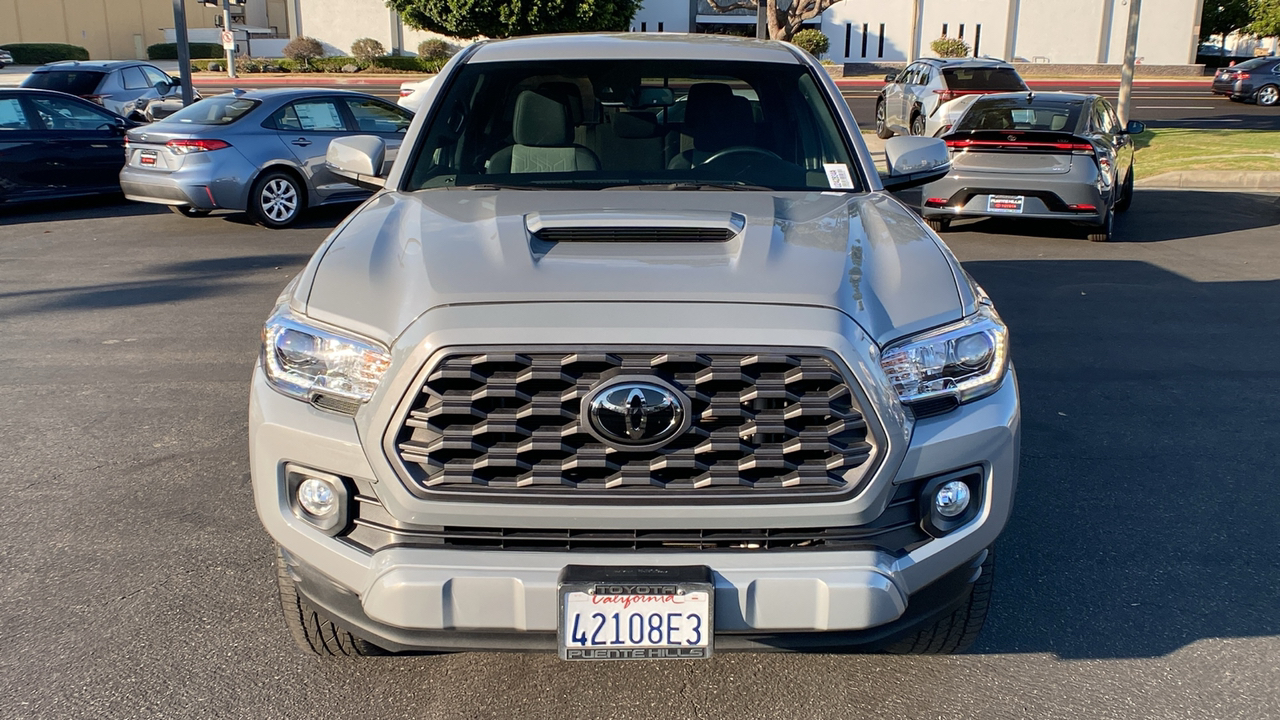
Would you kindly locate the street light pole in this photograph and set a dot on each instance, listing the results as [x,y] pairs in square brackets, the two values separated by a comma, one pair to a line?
[226,25]
[762,21]
[184,50]
[1130,61]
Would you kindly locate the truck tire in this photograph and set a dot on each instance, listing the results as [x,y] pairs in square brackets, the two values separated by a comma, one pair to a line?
[956,632]
[938,225]
[314,633]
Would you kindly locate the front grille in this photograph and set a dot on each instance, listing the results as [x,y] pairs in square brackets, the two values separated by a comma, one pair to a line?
[764,424]
[896,530]
[632,233]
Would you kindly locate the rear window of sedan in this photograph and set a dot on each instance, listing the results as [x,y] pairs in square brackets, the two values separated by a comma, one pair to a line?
[72,82]
[983,78]
[213,111]
[1018,115]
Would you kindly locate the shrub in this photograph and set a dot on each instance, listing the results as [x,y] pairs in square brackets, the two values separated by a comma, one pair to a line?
[950,47]
[41,53]
[250,65]
[367,49]
[434,49]
[304,50]
[169,51]
[812,41]
[409,64]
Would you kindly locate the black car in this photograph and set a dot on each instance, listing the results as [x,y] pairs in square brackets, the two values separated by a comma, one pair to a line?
[56,146]
[1257,80]
[125,87]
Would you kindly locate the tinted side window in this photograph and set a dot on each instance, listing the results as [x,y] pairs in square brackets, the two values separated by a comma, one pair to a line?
[133,79]
[983,78]
[11,115]
[309,116]
[74,82]
[154,76]
[376,116]
[65,114]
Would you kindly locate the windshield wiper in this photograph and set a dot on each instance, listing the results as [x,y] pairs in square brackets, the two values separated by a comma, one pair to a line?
[496,186]
[691,185]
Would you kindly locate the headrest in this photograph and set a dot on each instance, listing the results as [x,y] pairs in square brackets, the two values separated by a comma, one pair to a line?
[539,121]
[635,125]
[1058,122]
[569,95]
[706,106]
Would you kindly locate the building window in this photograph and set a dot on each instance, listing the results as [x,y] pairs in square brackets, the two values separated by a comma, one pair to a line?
[977,38]
[880,50]
[865,27]
[944,29]
[644,27]
[659,27]
[848,36]
[961,35]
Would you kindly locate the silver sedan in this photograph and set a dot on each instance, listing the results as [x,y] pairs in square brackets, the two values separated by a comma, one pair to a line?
[260,151]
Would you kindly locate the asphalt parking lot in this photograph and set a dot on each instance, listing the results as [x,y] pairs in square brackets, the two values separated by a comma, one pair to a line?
[1137,579]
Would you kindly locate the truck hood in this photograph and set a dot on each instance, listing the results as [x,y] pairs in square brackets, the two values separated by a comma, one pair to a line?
[402,254]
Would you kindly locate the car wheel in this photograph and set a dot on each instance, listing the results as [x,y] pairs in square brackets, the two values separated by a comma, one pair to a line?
[276,200]
[1126,193]
[917,125]
[314,633]
[1102,233]
[938,225]
[956,632]
[882,130]
[1268,95]
[188,211]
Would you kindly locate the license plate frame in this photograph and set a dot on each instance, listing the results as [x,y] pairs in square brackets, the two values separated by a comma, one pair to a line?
[147,157]
[1006,204]
[636,592]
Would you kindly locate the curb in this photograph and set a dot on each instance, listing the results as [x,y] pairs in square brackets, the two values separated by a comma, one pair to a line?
[1263,181]
[317,79]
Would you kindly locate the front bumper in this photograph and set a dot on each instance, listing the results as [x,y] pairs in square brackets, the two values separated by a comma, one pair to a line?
[407,598]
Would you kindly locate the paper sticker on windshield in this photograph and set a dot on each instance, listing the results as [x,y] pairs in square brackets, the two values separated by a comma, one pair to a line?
[838,176]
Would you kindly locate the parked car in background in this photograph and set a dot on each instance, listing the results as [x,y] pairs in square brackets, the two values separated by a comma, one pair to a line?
[413,92]
[6,58]
[1036,155]
[122,86]
[929,95]
[1256,80]
[53,145]
[261,151]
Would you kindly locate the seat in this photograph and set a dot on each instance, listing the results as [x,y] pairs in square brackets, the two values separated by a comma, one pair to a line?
[714,119]
[1058,123]
[543,140]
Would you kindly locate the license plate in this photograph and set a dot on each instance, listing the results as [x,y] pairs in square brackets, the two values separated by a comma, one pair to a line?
[1004,203]
[661,613]
[147,157]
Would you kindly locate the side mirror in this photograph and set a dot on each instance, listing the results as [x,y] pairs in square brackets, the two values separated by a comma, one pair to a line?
[890,77]
[1134,127]
[914,161]
[359,159]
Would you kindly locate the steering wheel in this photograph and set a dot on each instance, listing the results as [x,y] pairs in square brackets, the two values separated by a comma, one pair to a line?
[740,150]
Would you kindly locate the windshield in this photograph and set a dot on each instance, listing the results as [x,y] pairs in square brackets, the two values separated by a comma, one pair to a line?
[219,110]
[983,78]
[1006,114]
[72,82]
[600,124]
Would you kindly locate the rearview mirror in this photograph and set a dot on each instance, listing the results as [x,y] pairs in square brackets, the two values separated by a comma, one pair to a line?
[359,159]
[914,161]
[1134,127]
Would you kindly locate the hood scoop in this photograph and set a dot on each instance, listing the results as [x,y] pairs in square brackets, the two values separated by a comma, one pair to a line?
[690,226]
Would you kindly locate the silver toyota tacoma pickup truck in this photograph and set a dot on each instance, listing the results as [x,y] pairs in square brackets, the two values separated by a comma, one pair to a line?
[632,355]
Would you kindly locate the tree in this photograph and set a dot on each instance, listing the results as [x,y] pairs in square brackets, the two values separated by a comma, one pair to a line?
[304,49]
[783,22]
[1265,15]
[1223,17]
[814,42]
[505,18]
[949,47]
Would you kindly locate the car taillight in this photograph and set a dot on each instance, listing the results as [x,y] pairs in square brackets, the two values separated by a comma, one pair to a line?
[1082,208]
[1075,148]
[182,147]
[935,202]
[945,95]
[405,92]
[1242,76]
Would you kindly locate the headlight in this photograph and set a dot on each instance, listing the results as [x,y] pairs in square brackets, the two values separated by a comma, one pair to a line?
[964,361]
[332,371]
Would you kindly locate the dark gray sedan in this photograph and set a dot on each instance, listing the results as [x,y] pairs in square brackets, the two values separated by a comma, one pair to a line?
[1257,80]
[1057,156]
[261,151]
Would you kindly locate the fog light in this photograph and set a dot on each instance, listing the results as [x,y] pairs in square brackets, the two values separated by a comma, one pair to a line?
[318,498]
[951,499]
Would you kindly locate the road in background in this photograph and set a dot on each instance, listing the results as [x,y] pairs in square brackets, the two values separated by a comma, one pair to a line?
[1137,578]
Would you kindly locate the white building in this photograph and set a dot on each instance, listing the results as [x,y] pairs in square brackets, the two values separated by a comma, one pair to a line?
[1048,31]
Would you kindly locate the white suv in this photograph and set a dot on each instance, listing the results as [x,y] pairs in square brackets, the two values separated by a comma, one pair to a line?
[929,95]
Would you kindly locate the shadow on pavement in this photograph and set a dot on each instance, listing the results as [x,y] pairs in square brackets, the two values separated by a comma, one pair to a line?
[1164,218]
[160,284]
[1146,516]
[85,208]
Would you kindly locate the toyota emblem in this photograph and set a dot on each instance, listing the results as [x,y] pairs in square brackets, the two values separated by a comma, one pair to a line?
[636,414]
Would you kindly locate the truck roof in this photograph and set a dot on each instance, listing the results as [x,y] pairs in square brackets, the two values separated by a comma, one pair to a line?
[634,46]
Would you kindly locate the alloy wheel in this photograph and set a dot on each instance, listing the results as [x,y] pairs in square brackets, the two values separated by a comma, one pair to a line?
[1268,95]
[279,200]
